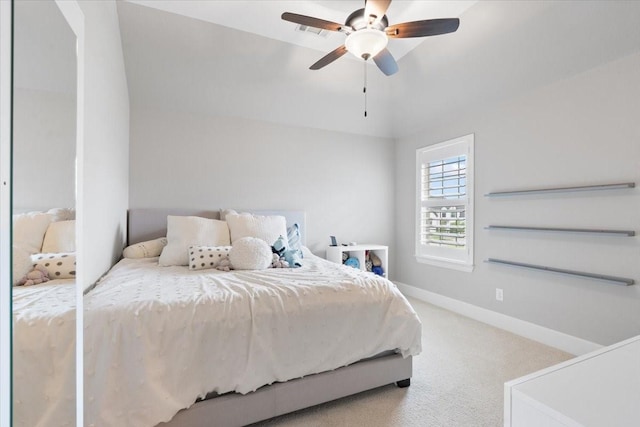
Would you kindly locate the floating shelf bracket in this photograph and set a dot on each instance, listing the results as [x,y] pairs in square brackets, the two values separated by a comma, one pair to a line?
[612,279]
[628,233]
[562,189]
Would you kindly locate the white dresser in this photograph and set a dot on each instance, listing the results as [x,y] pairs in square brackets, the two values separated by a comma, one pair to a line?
[601,389]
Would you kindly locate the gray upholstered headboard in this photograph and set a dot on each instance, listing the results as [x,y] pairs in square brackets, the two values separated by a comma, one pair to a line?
[147,224]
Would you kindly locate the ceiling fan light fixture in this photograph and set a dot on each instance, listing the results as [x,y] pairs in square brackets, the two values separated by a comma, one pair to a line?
[366,43]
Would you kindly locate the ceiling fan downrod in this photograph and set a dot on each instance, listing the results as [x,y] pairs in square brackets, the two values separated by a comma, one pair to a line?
[364,89]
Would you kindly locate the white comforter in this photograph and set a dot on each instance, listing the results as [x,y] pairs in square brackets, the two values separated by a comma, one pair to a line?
[44,345]
[156,338]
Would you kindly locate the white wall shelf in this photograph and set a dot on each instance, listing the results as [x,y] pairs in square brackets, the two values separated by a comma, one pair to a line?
[627,233]
[334,254]
[603,277]
[616,186]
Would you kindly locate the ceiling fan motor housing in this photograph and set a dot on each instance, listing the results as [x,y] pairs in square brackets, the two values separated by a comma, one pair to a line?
[358,21]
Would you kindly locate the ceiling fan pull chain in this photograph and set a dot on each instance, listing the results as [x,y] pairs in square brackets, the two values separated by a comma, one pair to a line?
[364,90]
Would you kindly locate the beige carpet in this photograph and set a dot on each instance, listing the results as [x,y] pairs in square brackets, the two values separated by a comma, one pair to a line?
[457,380]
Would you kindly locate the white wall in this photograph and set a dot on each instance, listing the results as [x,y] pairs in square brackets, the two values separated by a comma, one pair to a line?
[105,159]
[344,182]
[44,149]
[578,131]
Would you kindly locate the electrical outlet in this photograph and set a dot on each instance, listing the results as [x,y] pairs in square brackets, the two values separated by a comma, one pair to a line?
[499,294]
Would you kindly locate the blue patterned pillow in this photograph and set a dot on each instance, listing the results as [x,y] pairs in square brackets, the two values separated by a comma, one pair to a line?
[293,236]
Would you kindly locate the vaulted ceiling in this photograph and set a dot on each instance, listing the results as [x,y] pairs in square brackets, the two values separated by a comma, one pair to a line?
[234,60]
[263,17]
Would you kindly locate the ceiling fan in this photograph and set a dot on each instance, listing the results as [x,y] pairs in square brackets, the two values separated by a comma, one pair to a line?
[368,33]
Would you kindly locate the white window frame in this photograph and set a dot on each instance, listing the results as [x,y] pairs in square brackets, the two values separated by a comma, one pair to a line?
[458,259]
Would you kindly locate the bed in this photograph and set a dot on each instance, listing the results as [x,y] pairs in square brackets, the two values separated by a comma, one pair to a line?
[44,346]
[44,319]
[174,347]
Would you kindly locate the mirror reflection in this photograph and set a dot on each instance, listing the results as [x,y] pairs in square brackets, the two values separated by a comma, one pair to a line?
[43,199]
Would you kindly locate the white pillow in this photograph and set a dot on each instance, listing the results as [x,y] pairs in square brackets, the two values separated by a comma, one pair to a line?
[250,253]
[29,229]
[201,257]
[60,237]
[185,231]
[225,212]
[267,228]
[21,262]
[62,214]
[59,266]
[148,249]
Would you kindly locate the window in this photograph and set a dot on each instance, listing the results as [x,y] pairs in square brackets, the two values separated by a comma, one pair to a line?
[444,208]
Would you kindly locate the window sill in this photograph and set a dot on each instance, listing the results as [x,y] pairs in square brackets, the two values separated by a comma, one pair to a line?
[445,263]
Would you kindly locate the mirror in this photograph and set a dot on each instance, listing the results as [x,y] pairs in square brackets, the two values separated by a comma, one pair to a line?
[45,111]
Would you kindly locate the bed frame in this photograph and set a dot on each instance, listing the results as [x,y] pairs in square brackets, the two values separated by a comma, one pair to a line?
[233,409]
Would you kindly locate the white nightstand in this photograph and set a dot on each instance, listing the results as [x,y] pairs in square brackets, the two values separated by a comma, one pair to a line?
[334,254]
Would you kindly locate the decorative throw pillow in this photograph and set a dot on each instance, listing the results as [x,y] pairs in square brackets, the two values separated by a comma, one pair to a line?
[185,231]
[201,257]
[148,249]
[59,266]
[250,253]
[295,241]
[29,229]
[267,228]
[60,237]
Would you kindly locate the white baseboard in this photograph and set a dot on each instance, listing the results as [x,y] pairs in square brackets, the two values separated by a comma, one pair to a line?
[550,337]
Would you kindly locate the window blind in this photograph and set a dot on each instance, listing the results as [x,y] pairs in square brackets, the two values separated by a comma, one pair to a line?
[443,213]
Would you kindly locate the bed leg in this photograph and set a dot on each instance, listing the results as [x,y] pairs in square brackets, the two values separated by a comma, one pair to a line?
[404,383]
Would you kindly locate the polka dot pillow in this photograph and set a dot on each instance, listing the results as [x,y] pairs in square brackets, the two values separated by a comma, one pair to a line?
[59,265]
[201,257]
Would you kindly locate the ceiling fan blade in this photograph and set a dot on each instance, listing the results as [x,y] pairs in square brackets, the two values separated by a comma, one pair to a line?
[329,58]
[311,22]
[386,62]
[429,27]
[377,8]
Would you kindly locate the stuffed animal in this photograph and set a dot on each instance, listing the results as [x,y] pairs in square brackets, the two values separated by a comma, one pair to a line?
[352,262]
[375,259]
[279,262]
[378,270]
[368,264]
[224,265]
[279,247]
[291,256]
[38,275]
